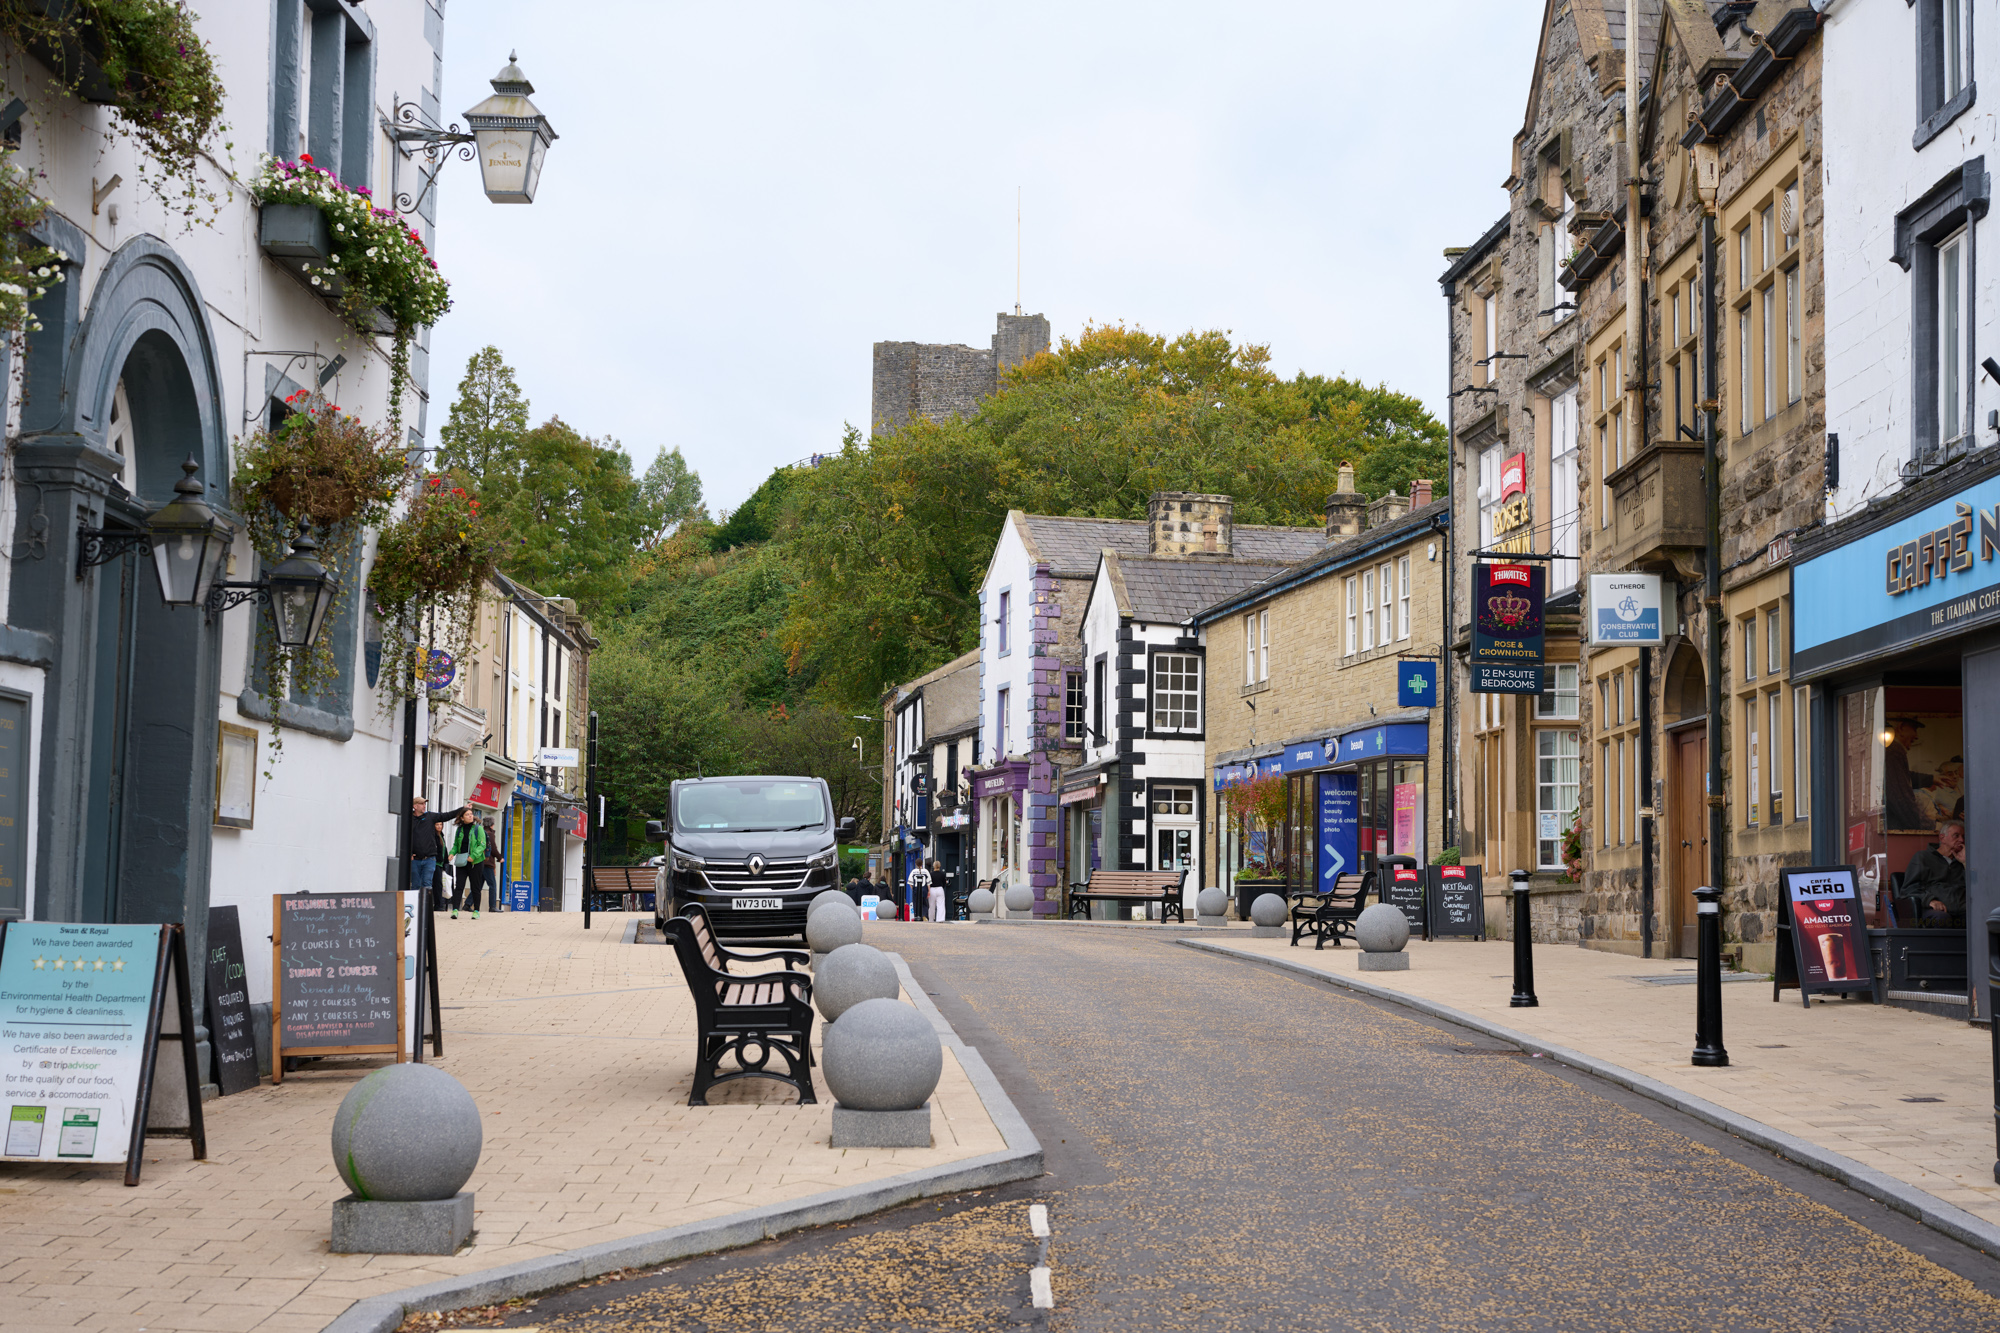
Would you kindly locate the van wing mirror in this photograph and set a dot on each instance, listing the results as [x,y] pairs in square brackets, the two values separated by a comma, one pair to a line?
[845,828]
[656,831]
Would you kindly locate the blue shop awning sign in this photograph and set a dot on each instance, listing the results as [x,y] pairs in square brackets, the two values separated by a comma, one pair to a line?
[1931,575]
[1394,738]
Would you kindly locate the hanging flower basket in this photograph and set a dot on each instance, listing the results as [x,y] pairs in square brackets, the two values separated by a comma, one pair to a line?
[441,549]
[144,59]
[27,268]
[320,466]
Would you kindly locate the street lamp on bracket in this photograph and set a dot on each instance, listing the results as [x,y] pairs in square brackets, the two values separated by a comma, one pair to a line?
[506,134]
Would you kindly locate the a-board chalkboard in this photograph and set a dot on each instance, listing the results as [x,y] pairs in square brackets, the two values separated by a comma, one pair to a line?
[1403,887]
[1457,903]
[1823,939]
[337,975]
[227,999]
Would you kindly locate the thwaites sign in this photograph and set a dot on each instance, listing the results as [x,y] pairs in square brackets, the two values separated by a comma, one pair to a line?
[1507,628]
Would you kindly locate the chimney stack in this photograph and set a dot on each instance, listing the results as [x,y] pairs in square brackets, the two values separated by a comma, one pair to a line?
[1387,510]
[1184,524]
[1346,508]
[1420,492]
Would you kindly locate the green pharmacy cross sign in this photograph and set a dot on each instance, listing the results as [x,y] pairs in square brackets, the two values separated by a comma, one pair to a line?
[1416,684]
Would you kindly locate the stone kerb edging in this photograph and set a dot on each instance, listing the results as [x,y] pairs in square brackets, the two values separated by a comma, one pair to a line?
[1021,1160]
[1885,1189]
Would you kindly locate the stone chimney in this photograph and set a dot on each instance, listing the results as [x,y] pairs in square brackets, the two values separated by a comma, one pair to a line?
[1346,508]
[1388,509]
[1420,492]
[1184,524]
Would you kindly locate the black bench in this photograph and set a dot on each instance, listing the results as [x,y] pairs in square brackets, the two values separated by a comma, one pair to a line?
[1131,886]
[1330,915]
[746,1017]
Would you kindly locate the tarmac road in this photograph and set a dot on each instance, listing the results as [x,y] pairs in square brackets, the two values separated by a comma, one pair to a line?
[1233,1148]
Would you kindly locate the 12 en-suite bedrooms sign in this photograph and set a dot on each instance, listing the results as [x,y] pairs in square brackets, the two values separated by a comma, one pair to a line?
[1926,576]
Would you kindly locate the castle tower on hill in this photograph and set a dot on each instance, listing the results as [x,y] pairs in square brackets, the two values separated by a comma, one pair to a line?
[939,381]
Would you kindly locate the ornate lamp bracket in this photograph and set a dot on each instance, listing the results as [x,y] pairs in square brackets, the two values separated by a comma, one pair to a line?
[228,596]
[417,137]
[97,546]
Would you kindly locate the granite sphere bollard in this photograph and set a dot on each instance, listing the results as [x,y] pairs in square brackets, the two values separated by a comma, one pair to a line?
[850,974]
[828,896]
[1210,906]
[882,1061]
[1020,898]
[980,903]
[829,926]
[1267,916]
[405,1140]
[1382,931]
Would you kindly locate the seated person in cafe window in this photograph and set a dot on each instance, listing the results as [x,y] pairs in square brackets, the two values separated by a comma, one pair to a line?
[1935,877]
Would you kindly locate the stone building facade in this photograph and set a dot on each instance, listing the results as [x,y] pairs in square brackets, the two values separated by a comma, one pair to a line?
[1744,84]
[938,381]
[1517,375]
[1303,671]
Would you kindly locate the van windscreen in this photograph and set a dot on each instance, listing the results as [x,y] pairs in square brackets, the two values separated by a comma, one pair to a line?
[751,805]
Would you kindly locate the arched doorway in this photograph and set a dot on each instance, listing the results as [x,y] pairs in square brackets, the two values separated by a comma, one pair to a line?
[1684,705]
[115,399]
[147,786]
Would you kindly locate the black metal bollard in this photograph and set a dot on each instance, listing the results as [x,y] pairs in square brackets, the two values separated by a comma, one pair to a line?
[1524,935]
[1708,1048]
[1993,999]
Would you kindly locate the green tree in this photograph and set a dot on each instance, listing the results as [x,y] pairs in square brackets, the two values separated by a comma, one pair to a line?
[572,512]
[816,740]
[671,495]
[482,436]
[891,540]
[658,720]
[758,518]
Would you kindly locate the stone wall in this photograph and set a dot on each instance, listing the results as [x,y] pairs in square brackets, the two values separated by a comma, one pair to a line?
[938,381]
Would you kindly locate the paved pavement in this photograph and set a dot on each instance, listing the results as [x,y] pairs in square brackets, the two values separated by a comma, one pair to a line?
[579,1049]
[1231,1147]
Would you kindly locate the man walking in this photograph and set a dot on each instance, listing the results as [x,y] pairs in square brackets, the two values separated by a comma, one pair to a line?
[425,843]
[919,883]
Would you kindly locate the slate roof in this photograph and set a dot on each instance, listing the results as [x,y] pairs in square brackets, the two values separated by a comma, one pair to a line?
[1072,545]
[1170,591]
[1649,30]
[1345,552]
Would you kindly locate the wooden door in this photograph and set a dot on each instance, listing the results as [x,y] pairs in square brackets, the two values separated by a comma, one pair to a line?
[1688,836]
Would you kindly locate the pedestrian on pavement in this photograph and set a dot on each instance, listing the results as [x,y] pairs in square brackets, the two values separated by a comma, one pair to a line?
[937,891]
[918,886]
[492,864]
[425,843]
[469,853]
[854,888]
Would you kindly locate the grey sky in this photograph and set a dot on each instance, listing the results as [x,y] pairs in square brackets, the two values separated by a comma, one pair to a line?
[745,197]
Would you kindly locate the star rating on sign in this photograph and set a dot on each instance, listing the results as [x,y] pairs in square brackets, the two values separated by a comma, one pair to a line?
[40,963]
[59,964]
[97,966]
[118,965]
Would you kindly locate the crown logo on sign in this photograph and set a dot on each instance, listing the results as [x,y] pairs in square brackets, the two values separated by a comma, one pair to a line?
[1511,610]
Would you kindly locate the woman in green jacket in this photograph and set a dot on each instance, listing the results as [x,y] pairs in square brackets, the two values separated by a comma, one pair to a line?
[472,855]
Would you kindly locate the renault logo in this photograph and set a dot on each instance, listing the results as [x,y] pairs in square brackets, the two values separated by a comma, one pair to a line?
[756,864]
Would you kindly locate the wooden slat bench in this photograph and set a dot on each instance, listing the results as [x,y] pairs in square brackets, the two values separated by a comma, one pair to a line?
[610,884]
[747,1018]
[1330,915]
[1131,886]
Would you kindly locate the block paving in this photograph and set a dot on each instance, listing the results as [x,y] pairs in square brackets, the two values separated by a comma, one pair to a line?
[579,1049]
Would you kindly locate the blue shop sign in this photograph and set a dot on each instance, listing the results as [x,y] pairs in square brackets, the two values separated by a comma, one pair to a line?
[1339,826]
[1397,738]
[1925,577]
[1416,684]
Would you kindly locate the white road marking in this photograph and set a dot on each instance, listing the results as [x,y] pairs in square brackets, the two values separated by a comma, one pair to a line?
[1038,1220]
[1038,1286]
